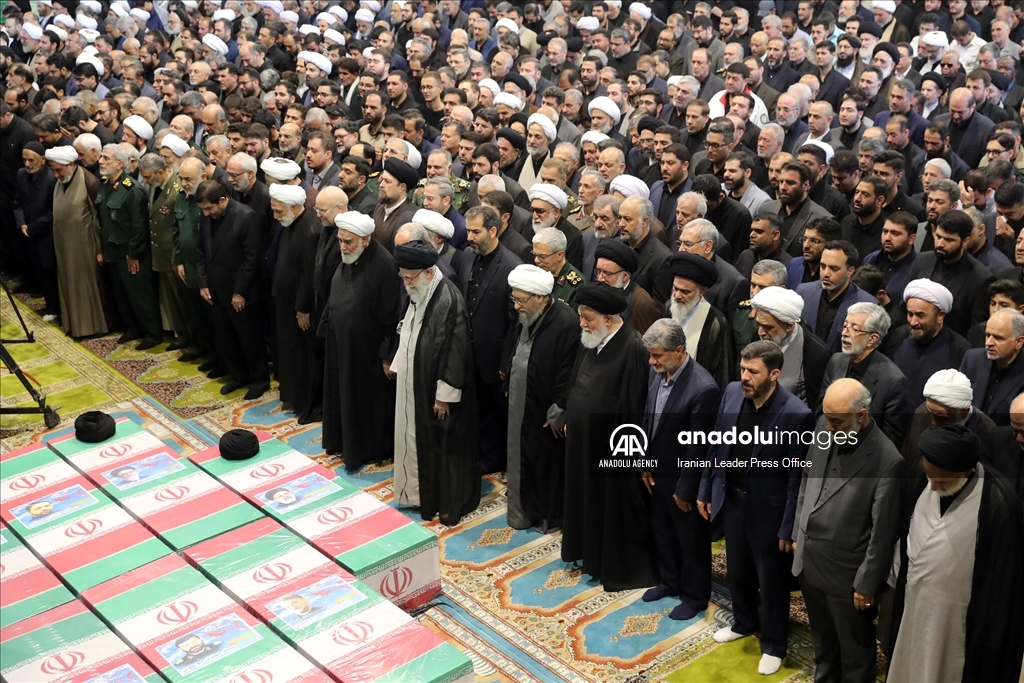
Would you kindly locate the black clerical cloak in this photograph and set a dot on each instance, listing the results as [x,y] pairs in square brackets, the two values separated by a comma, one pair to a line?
[359,400]
[541,458]
[606,519]
[293,293]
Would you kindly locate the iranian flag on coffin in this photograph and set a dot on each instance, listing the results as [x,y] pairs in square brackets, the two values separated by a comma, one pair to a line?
[189,630]
[176,500]
[27,588]
[69,644]
[333,618]
[382,547]
[79,532]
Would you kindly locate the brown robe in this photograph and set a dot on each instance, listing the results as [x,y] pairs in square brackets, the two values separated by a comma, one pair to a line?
[76,241]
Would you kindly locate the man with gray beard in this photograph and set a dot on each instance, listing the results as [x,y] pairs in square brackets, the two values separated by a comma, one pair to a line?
[540,351]
[606,224]
[605,523]
[436,466]
[708,335]
[548,204]
[359,324]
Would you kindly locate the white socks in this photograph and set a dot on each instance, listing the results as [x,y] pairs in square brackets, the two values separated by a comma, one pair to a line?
[768,665]
[727,635]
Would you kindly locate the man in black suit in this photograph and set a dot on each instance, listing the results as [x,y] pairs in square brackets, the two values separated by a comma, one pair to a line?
[865,327]
[951,266]
[681,396]
[968,130]
[846,532]
[758,504]
[229,252]
[1004,448]
[484,284]
[997,371]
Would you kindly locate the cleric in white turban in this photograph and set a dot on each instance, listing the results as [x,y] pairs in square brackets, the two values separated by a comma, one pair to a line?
[319,61]
[63,155]
[293,195]
[364,16]
[509,100]
[930,291]
[333,37]
[495,89]
[140,14]
[550,132]
[593,136]
[435,223]
[531,279]
[588,24]
[784,305]
[280,169]
[641,10]
[177,146]
[606,105]
[358,224]
[629,186]
[216,44]
[950,388]
[550,194]
[507,24]
[139,126]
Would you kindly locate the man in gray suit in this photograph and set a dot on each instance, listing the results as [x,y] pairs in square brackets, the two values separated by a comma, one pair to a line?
[845,533]
[867,324]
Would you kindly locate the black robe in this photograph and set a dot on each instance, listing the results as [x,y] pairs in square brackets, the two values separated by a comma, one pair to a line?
[1007,457]
[293,293]
[360,321]
[918,363]
[606,518]
[994,639]
[715,351]
[542,456]
[447,451]
[328,258]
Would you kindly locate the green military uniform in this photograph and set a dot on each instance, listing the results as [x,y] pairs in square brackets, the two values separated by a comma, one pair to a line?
[373,183]
[744,329]
[573,205]
[173,294]
[186,255]
[566,282]
[460,200]
[122,207]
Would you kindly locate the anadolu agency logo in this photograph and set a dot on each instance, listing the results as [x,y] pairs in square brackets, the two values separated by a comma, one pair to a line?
[627,446]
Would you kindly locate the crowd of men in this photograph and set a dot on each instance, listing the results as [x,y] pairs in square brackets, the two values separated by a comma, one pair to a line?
[477,237]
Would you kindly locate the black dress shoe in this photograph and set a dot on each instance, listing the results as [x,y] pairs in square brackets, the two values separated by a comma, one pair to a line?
[256,391]
[207,366]
[177,345]
[147,344]
[230,386]
[216,373]
[187,357]
[126,338]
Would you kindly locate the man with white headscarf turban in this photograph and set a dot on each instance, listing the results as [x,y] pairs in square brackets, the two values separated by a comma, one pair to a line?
[604,114]
[546,337]
[629,186]
[930,345]
[293,297]
[360,320]
[548,203]
[76,242]
[540,133]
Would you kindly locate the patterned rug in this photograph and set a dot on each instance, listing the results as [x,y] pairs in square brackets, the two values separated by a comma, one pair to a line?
[509,601]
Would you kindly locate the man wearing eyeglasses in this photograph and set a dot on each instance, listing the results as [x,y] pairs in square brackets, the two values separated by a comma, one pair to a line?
[549,253]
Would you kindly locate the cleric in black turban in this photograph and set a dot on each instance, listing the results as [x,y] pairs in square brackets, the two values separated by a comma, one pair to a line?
[601,297]
[403,172]
[415,255]
[694,268]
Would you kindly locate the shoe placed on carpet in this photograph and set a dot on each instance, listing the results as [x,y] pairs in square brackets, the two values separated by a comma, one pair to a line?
[216,373]
[727,635]
[147,344]
[769,665]
[230,386]
[49,318]
[309,418]
[126,338]
[683,612]
[657,593]
[187,357]
[207,366]
[256,391]
[177,345]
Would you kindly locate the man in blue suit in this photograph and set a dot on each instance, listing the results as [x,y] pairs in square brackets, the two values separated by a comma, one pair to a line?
[758,501]
[681,396]
[997,371]
[826,302]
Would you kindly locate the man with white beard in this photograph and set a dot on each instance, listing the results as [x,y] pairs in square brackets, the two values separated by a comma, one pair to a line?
[605,524]
[867,324]
[361,316]
[436,467]
[548,202]
[777,316]
[708,337]
[615,264]
[540,133]
[604,116]
[539,356]
[294,326]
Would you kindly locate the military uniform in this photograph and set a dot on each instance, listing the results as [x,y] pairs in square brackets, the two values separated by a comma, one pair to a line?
[124,231]
[744,329]
[186,253]
[566,282]
[173,294]
[460,200]
[373,183]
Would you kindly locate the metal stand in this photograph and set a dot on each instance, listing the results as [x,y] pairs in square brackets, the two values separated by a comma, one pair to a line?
[50,417]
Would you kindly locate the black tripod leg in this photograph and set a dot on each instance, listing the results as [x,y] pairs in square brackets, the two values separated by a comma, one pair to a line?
[50,417]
